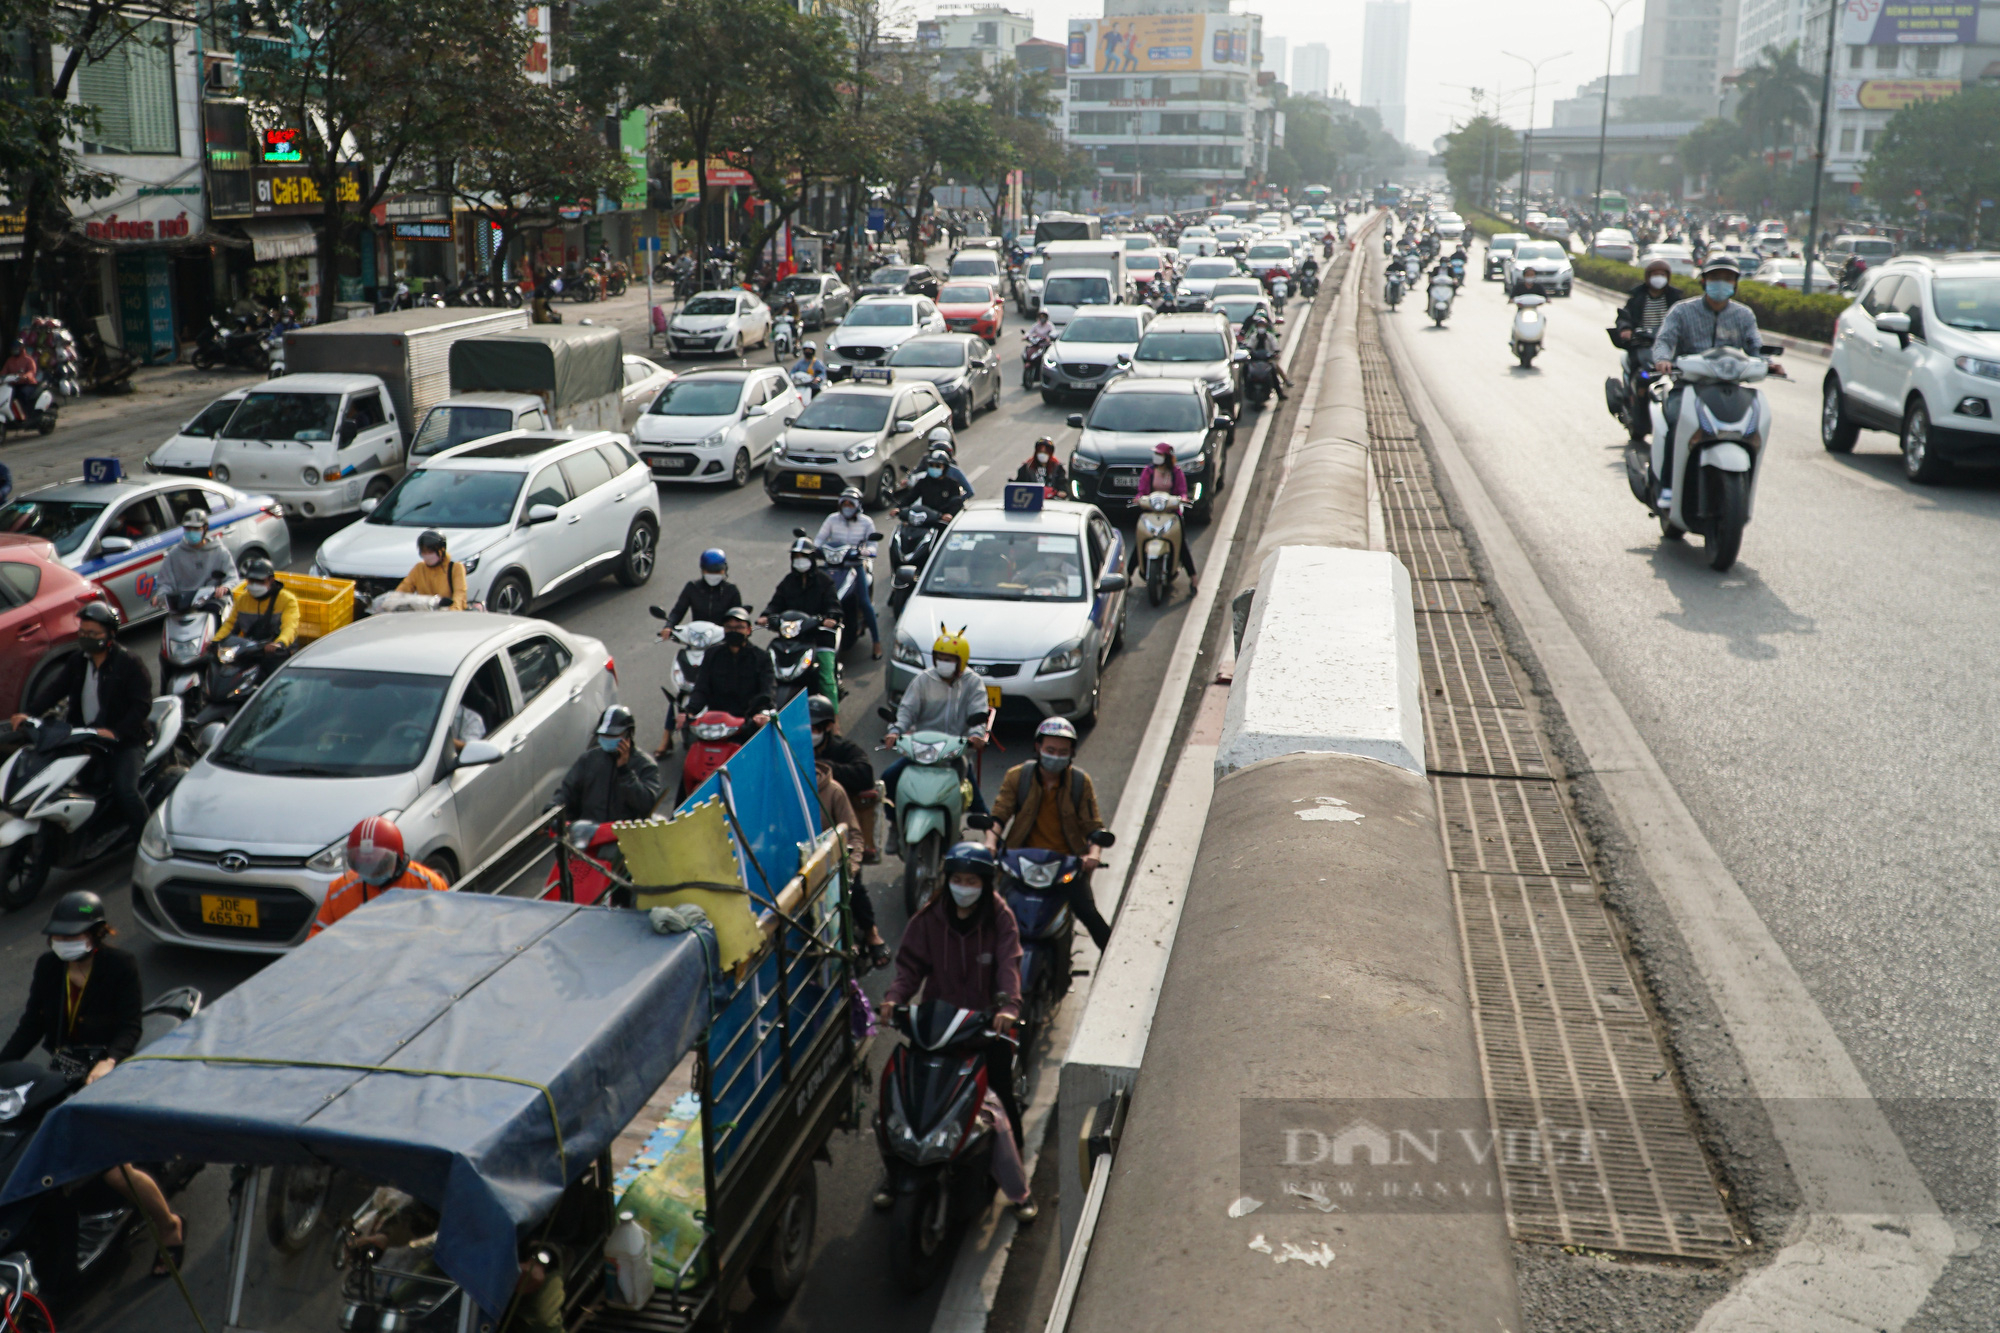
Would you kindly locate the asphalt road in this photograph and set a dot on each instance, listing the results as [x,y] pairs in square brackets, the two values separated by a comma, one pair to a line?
[849,1285]
[1824,708]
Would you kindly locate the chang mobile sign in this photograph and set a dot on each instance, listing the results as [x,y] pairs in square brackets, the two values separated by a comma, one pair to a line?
[1909,22]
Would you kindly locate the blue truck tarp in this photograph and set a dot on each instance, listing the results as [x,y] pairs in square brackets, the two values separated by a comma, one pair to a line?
[541,1030]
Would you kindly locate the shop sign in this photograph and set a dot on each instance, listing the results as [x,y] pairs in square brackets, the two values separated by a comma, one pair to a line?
[157,214]
[1908,22]
[720,173]
[420,231]
[1890,94]
[280,191]
[146,306]
[634,132]
[283,146]
[414,207]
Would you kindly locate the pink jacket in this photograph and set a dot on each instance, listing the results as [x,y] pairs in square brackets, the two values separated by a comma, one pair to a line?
[1180,486]
[969,969]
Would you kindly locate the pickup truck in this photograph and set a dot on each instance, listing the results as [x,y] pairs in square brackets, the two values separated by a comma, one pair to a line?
[541,377]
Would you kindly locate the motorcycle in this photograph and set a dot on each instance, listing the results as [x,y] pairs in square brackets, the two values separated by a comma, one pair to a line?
[617,280]
[695,638]
[237,667]
[1627,395]
[717,736]
[239,346]
[935,1140]
[1717,442]
[68,1234]
[783,334]
[927,807]
[807,385]
[1160,534]
[1260,378]
[1457,267]
[1281,287]
[1031,364]
[910,547]
[1441,292]
[795,653]
[55,794]
[1392,290]
[1529,324]
[192,617]
[849,567]
[1388,243]
[26,406]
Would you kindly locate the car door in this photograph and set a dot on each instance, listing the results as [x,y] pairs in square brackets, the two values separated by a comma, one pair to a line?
[489,801]
[594,511]
[1868,363]
[781,408]
[929,320]
[369,439]
[838,297]
[132,575]
[907,447]
[1902,366]
[24,639]
[550,551]
[630,487]
[553,737]
[756,318]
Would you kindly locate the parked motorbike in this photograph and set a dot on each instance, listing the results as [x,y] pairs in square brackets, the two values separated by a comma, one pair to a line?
[1160,534]
[695,638]
[910,547]
[1529,324]
[927,807]
[1718,440]
[935,1140]
[240,345]
[1627,395]
[1440,297]
[25,406]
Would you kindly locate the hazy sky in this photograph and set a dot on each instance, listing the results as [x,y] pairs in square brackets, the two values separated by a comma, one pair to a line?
[1452,42]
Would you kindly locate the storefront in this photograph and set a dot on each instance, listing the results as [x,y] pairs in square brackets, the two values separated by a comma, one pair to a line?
[422,239]
[267,192]
[141,268]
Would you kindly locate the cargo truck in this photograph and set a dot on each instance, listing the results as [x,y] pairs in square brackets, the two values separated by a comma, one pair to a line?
[560,376]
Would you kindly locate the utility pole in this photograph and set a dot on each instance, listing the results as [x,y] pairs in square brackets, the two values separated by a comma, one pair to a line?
[1604,115]
[1528,152]
[1819,146]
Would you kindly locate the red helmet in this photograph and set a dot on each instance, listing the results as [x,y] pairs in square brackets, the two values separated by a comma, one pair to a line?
[375,851]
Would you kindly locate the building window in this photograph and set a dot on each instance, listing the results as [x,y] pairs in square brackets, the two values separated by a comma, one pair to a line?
[1847,139]
[1098,90]
[1929,57]
[989,35]
[1855,56]
[1886,57]
[1868,138]
[132,92]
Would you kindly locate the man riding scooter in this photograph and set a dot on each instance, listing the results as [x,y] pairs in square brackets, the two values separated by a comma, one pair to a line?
[1716,320]
[197,564]
[262,611]
[947,696]
[847,525]
[736,678]
[808,588]
[812,368]
[614,779]
[1639,321]
[933,485]
[1051,804]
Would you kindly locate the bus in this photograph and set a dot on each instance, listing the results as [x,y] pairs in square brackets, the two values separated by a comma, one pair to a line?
[1388,195]
[1317,194]
[1611,207]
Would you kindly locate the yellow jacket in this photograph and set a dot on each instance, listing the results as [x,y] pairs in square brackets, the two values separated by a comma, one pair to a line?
[281,602]
[446,580]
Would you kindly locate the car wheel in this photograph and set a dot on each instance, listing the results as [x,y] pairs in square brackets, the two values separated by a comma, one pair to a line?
[961,418]
[378,488]
[641,553]
[1837,431]
[1051,397]
[885,487]
[739,472]
[1920,461]
[507,597]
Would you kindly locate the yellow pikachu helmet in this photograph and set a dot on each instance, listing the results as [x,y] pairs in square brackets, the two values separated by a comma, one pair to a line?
[954,643]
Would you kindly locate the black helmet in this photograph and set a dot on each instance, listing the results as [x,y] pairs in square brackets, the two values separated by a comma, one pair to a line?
[257,567]
[617,721]
[821,709]
[937,458]
[98,613]
[805,546]
[430,539]
[77,912]
[970,858]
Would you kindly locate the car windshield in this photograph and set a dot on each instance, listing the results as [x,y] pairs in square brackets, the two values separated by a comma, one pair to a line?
[1077,291]
[450,498]
[1212,268]
[979,263]
[710,305]
[928,355]
[1145,263]
[64,522]
[1036,267]
[862,413]
[212,419]
[886,316]
[285,416]
[1968,303]
[1147,413]
[1237,287]
[1102,329]
[965,293]
[447,426]
[1271,250]
[697,398]
[890,277]
[1538,250]
[1182,347]
[1238,311]
[799,285]
[1008,567]
[1503,243]
[309,723]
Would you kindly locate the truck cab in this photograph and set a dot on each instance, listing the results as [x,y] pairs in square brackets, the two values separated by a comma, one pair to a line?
[319,444]
[465,417]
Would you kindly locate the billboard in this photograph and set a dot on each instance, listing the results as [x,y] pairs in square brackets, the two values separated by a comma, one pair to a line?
[1160,44]
[1890,94]
[1908,22]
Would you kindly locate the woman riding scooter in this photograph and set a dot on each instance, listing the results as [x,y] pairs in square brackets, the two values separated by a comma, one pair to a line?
[262,610]
[1044,469]
[1164,474]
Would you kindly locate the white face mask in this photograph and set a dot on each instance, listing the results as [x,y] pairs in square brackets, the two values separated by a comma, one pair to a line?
[965,895]
[260,590]
[947,669]
[70,950]
[802,564]
[1657,281]
[712,580]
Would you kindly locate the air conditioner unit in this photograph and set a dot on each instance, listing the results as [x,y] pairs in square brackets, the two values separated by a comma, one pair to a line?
[223,76]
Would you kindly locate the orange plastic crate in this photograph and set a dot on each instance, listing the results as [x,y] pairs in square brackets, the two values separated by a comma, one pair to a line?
[324,604]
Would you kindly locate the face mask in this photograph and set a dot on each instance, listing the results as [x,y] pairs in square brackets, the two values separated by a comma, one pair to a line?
[192,536]
[935,471]
[609,744]
[712,580]
[90,643]
[260,590]
[802,564]
[965,895]
[946,669]
[820,735]
[1719,291]
[1044,457]
[734,638]
[70,950]
[1657,281]
[849,510]
[1053,763]
[431,558]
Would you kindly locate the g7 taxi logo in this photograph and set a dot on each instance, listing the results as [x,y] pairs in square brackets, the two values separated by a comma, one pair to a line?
[145,586]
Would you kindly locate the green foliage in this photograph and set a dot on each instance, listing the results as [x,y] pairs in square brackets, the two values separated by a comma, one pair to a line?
[1321,145]
[1778,311]
[1480,149]
[548,151]
[1714,148]
[1777,94]
[1949,150]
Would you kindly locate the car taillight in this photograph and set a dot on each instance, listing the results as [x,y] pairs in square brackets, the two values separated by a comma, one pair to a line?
[611,665]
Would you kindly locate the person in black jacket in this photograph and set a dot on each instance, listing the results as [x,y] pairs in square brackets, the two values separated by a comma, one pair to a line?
[848,765]
[934,485]
[708,597]
[736,678]
[613,779]
[84,1010]
[1647,304]
[810,589]
[110,692]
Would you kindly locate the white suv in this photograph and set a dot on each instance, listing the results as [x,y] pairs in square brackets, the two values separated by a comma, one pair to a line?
[1919,354]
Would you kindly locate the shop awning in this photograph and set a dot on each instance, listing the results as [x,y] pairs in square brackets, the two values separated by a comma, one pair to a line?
[281,238]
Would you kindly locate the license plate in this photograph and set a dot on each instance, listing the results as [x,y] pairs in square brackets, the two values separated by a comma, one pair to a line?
[993,697]
[239,913]
[807,481]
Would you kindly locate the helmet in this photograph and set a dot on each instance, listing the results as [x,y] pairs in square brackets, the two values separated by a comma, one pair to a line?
[821,709]
[1722,263]
[809,348]
[953,645]
[1045,440]
[196,518]
[713,561]
[742,613]
[1056,726]
[257,567]
[77,912]
[804,546]
[941,438]
[1661,265]
[851,493]
[616,721]
[430,539]
[937,458]
[97,613]
[970,858]
[375,850]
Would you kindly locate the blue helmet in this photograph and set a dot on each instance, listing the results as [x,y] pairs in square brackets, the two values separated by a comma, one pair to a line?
[713,561]
[970,857]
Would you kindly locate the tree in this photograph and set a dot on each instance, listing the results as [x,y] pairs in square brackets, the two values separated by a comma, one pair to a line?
[1478,154]
[547,151]
[931,140]
[1023,105]
[791,133]
[1777,94]
[1714,148]
[1943,156]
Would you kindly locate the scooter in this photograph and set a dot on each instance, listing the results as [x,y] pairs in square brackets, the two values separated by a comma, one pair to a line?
[1628,394]
[1392,288]
[1160,534]
[928,806]
[1281,288]
[783,336]
[795,653]
[935,1139]
[55,794]
[717,737]
[237,668]
[1441,293]
[909,547]
[695,638]
[240,346]
[26,406]
[1031,364]
[806,384]
[849,567]
[1260,378]
[192,618]
[1529,325]
[1718,439]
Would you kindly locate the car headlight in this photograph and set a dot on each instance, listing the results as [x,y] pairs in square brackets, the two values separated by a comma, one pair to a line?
[1066,658]
[1973,365]
[220,472]
[715,440]
[153,841]
[954,386]
[908,652]
[330,859]
[1084,463]
[866,449]
[310,476]
[318,568]
[471,562]
[1193,467]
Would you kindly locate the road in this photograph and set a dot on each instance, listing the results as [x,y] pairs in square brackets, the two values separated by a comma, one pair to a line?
[849,1285]
[1823,708]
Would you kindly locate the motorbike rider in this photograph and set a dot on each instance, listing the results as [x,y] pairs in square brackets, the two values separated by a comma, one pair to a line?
[708,597]
[109,692]
[614,779]
[1645,308]
[1051,804]
[963,948]
[1260,339]
[262,610]
[435,574]
[851,769]
[1041,333]
[376,862]
[940,437]
[84,1008]
[810,364]
[23,372]
[737,678]
[808,588]
[1164,474]
[933,485]
[836,809]
[847,525]
[1716,320]
[1044,468]
[947,696]
[200,562]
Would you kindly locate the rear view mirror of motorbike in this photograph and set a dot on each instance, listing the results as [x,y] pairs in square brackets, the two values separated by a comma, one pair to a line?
[1104,837]
[656,613]
[980,822]
[886,714]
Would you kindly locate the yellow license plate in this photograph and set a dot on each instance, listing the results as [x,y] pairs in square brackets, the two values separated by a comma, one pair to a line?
[993,697]
[808,481]
[238,912]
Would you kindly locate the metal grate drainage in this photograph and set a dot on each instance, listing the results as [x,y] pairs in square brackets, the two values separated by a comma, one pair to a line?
[1568,1049]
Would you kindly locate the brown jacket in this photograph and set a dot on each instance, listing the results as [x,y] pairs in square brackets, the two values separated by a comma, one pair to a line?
[836,811]
[1076,803]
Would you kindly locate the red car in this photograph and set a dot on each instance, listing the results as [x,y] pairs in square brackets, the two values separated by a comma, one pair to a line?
[39,599]
[972,305]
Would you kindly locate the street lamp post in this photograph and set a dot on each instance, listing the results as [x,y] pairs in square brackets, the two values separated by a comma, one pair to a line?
[1528,148]
[1819,149]
[1604,114]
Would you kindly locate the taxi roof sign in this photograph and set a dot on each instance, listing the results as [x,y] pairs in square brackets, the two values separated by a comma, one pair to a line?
[1023,497]
[102,471]
[874,375]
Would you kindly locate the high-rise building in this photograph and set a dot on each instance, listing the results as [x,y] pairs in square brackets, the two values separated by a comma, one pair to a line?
[1628,57]
[1312,69]
[1688,45]
[1385,60]
[1274,58]
[1762,23]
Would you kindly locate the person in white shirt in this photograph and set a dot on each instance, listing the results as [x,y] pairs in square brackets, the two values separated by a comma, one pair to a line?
[849,526]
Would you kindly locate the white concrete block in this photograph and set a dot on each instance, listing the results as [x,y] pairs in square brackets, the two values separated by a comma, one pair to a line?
[1329,662]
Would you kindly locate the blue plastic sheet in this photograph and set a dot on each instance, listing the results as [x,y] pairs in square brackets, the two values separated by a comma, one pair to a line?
[769,785]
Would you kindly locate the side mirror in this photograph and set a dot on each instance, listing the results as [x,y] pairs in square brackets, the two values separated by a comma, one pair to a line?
[905,428]
[349,430]
[1111,583]
[111,544]
[368,504]
[1890,321]
[980,822]
[656,613]
[906,574]
[756,410]
[543,513]
[1074,421]
[478,753]
[1242,356]
[1222,423]
[886,714]
[1104,837]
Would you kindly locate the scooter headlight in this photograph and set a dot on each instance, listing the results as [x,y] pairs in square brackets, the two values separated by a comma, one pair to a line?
[226,655]
[183,652]
[1039,874]
[153,841]
[926,753]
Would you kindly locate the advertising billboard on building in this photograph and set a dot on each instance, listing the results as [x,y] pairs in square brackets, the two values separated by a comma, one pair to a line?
[1908,22]
[1160,44]
[1890,94]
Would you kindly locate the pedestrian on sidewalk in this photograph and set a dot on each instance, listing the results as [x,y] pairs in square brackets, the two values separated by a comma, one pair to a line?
[1051,804]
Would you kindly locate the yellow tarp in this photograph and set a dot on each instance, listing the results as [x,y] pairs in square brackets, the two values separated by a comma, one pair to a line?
[689,858]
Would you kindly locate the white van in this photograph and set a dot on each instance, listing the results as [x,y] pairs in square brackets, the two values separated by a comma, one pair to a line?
[1070,289]
[318,444]
[1106,257]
